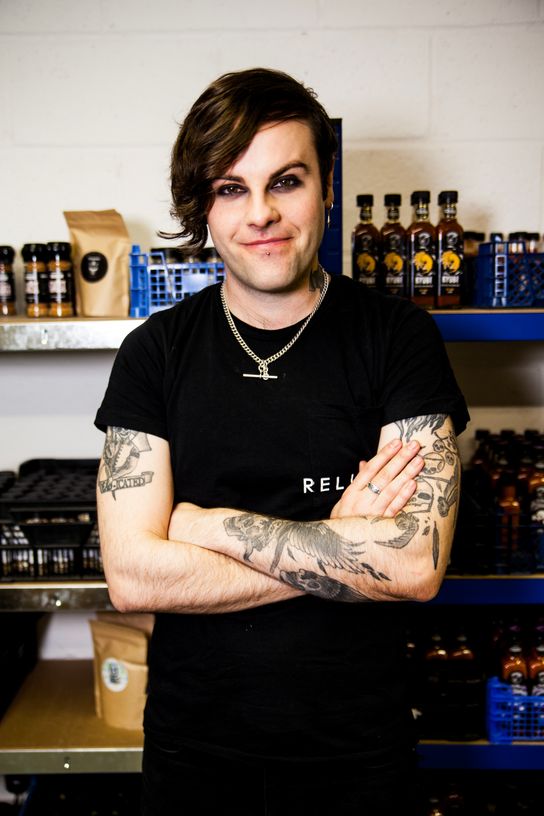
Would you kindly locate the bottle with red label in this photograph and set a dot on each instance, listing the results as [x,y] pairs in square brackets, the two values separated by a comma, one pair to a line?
[421,241]
[365,245]
[450,241]
[393,247]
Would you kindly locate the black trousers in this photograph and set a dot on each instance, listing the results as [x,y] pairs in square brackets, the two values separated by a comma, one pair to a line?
[185,782]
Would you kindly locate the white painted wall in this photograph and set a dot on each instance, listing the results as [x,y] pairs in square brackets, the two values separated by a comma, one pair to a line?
[433,94]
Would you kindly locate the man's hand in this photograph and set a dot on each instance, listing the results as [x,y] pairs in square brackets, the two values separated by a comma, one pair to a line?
[393,471]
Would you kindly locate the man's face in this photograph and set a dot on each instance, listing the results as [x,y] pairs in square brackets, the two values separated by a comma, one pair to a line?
[267,217]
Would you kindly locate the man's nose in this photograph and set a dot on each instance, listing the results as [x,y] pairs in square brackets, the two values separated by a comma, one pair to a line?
[261,211]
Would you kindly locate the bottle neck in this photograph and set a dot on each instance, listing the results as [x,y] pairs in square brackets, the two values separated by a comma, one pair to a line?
[421,211]
[393,215]
[449,211]
[365,214]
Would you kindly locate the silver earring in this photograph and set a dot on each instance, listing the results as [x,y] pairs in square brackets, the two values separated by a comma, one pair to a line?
[329,216]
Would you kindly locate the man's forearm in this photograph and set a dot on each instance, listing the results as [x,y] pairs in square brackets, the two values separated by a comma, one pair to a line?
[170,576]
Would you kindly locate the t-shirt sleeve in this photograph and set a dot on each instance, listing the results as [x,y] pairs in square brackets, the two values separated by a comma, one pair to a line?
[418,378]
[134,397]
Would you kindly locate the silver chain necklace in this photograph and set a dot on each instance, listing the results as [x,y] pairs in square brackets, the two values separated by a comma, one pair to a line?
[263,364]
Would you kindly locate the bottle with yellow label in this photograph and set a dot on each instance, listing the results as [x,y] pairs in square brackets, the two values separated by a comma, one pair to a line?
[365,245]
[450,239]
[393,248]
[421,241]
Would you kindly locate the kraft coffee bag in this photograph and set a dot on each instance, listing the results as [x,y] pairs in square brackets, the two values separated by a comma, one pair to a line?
[120,674]
[101,249]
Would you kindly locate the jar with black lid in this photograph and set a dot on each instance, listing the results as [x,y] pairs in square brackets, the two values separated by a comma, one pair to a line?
[60,274]
[36,280]
[7,282]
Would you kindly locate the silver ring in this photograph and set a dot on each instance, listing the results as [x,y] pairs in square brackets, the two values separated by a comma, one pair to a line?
[374,489]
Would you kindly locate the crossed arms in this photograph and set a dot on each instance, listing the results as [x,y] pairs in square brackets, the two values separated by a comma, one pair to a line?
[394,546]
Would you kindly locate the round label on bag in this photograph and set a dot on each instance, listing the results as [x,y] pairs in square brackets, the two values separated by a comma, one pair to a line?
[114,674]
[94,266]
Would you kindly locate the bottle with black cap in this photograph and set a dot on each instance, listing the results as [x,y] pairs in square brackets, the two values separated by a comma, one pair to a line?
[61,279]
[421,241]
[450,252]
[365,245]
[393,248]
[36,280]
[7,282]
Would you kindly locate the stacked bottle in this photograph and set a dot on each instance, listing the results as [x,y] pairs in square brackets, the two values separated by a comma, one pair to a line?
[507,471]
[423,262]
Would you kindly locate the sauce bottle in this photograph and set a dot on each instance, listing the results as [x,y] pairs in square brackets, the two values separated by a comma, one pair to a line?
[514,669]
[421,240]
[536,670]
[60,279]
[472,241]
[536,508]
[393,249]
[510,556]
[450,243]
[36,280]
[7,282]
[365,245]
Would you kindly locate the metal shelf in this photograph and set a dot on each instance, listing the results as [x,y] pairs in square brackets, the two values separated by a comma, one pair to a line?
[491,590]
[68,334]
[51,726]
[477,325]
[46,596]
[481,755]
[94,334]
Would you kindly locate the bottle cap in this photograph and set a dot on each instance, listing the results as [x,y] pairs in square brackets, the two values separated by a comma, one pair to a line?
[448,197]
[7,254]
[59,249]
[420,197]
[365,200]
[34,252]
[392,200]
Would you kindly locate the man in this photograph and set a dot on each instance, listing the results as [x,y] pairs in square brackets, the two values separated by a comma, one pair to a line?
[256,518]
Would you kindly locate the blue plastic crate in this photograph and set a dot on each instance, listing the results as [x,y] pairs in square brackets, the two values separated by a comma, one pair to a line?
[513,717]
[157,284]
[506,278]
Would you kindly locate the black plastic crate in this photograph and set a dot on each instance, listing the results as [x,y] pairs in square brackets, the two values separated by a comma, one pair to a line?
[48,524]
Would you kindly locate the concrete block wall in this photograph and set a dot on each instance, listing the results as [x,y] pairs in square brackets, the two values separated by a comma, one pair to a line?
[434,94]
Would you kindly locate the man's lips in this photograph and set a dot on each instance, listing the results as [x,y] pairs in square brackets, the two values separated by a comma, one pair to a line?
[266,242]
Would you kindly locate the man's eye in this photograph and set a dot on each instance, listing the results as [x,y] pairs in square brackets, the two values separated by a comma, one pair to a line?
[229,190]
[286,183]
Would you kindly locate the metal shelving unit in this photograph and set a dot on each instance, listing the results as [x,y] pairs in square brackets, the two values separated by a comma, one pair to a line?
[68,334]
[46,596]
[88,334]
[51,726]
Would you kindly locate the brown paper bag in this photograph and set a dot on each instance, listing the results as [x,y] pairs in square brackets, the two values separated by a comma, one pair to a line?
[136,620]
[101,249]
[120,674]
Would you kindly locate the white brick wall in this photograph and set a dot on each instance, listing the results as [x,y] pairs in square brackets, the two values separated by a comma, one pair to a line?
[433,94]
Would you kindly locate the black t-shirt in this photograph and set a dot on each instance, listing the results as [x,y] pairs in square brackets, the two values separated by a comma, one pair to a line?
[304,677]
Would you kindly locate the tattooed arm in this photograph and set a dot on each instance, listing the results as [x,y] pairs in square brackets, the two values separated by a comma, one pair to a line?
[354,557]
[147,572]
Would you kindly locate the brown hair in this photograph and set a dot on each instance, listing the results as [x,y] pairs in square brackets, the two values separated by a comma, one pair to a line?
[221,125]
